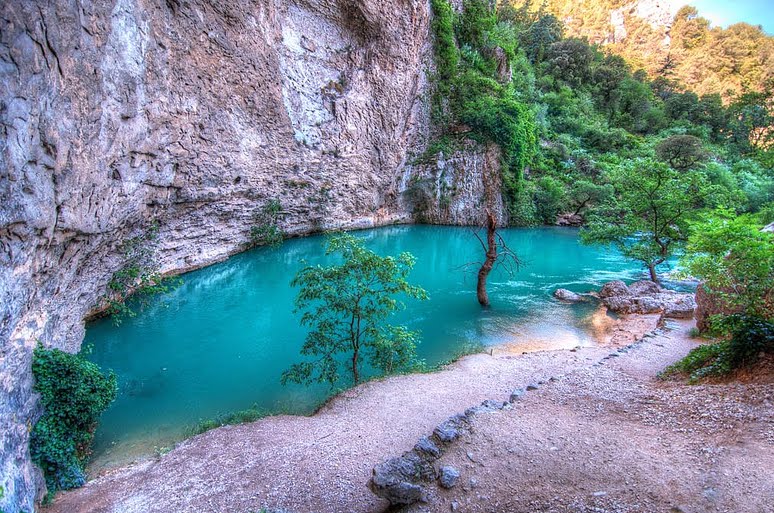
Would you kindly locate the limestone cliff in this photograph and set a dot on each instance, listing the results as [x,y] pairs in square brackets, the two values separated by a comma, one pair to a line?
[191,115]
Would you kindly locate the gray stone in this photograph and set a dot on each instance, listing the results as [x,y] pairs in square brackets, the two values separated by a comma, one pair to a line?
[427,447]
[399,480]
[644,288]
[517,394]
[532,386]
[451,429]
[615,288]
[567,295]
[448,476]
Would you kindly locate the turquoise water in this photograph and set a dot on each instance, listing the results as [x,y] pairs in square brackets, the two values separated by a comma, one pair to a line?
[220,341]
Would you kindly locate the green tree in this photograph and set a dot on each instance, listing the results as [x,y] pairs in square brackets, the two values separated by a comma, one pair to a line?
[647,218]
[346,307]
[73,394]
[682,152]
[735,261]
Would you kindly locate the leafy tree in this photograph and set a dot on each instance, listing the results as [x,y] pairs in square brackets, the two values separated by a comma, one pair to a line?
[682,152]
[549,198]
[570,60]
[346,306]
[647,219]
[73,394]
[752,116]
[585,194]
[735,261]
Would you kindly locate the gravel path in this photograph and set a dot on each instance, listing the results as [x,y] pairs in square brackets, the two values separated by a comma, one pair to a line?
[606,428]
[610,438]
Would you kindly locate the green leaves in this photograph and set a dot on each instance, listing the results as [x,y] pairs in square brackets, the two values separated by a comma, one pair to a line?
[73,394]
[346,307]
[266,230]
[735,260]
[647,218]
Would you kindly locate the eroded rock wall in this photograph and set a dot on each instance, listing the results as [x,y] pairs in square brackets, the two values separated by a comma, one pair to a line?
[190,114]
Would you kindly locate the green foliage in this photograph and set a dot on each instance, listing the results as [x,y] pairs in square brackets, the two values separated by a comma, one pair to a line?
[346,307]
[647,218]
[735,261]
[682,152]
[550,197]
[138,277]
[468,91]
[750,338]
[509,124]
[705,360]
[447,55]
[73,394]
[265,230]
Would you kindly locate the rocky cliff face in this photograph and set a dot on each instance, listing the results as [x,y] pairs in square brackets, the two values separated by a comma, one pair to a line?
[189,115]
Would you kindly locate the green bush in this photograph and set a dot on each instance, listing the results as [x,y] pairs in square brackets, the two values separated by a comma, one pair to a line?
[73,394]
[700,362]
[750,338]
[446,52]
[266,230]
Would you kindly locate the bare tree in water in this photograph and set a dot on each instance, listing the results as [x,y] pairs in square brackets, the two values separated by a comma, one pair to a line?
[497,253]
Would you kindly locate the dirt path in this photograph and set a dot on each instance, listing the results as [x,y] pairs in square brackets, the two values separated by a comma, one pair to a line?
[601,428]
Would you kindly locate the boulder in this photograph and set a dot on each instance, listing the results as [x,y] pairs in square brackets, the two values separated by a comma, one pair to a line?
[399,479]
[644,288]
[451,429]
[680,306]
[569,219]
[427,448]
[615,288]
[567,295]
[448,476]
[646,297]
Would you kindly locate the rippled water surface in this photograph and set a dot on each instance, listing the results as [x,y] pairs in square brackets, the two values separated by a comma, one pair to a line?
[220,341]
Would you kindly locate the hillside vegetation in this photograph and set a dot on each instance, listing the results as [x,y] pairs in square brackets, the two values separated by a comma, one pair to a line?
[684,48]
[569,116]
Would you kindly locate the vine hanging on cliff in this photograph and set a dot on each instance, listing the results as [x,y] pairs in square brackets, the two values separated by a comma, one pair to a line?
[472,94]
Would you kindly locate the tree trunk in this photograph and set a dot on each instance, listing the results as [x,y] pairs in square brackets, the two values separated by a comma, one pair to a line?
[653,276]
[491,256]
[355,373]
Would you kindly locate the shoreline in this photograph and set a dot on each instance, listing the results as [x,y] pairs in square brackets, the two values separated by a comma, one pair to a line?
[384,416]
[603,329]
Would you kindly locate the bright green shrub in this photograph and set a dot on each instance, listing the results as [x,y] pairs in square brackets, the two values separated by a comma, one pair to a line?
[447,56]
[550,198]
[73,394]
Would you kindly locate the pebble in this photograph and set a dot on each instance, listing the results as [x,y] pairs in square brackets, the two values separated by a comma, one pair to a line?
[532,386]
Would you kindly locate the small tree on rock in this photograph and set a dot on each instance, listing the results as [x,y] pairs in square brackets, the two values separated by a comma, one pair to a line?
[647,218]
[346,307]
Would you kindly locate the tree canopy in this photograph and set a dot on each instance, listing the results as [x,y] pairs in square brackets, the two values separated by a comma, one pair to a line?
[346,308]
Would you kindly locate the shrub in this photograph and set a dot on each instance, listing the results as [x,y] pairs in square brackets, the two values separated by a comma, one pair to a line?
[750,337]
[73,394]
[700,362]
[266,230]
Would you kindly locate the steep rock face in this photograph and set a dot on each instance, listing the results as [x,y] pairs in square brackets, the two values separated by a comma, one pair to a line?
[458,189]
[191,115]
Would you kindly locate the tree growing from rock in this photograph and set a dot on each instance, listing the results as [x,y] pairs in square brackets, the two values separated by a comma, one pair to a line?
[346,307]
[647,217]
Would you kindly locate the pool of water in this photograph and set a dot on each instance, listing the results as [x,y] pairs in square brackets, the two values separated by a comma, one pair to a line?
[220,341]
